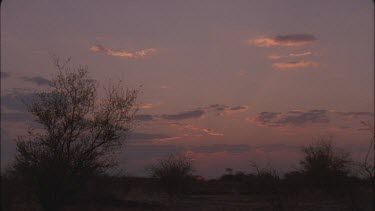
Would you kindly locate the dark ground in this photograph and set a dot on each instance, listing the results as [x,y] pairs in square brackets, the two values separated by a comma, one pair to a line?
[139,194]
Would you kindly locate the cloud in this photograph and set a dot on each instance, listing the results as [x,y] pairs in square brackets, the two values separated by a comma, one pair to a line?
[167,138]
[265,118]
[225,109]
[185,115]
[239,108]
[211,132]
[147,136]
[230,148]
[198,113]
[147,105]
[38,80]
[355,114]
[144,117]
[294,118]
[283,40]
[306,53]
[294,64]
[276,57]
[4,74]
[182,126]
[301,117]
[126,54]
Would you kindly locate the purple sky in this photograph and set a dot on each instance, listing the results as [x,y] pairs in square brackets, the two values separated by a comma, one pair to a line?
[225,82]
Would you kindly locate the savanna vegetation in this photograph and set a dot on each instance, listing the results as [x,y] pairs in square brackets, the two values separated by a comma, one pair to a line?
[62,164]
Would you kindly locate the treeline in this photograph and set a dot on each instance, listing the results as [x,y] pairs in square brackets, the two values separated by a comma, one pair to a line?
[325,174]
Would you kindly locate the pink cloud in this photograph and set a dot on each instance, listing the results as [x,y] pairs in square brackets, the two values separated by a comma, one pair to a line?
[126,54]
[283,40]
[294,64]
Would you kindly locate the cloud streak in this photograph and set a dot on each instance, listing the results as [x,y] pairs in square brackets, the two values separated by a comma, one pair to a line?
[301,118]
[294,118]
[306,53]
[294,64]
[195,114]
[225,109]
[189,127]
[289,40]
[144,117]
[126,54]
[38,80]
[146,106]
[147,136]
[301,54]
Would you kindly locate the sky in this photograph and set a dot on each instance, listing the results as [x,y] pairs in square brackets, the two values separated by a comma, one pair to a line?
[226,83]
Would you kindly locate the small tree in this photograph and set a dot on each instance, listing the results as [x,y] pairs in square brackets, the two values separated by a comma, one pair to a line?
[324,165]
[77,135]
[173,172]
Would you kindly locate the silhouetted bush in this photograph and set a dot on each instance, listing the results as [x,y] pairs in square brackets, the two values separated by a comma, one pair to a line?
[324,166]
[174,174]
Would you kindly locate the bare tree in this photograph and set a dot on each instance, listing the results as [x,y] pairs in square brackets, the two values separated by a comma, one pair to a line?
[76,136]
[173,172]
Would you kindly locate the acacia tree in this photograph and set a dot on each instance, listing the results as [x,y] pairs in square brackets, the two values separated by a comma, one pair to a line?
[76,136]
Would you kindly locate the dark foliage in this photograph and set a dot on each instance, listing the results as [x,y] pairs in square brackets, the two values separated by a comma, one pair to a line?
[75,139]
[324,166]
[174,174]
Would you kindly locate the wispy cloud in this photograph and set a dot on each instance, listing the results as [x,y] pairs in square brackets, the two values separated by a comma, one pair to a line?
[301,118]
[198,113]
[305,53]
[301,54]
[167,139]
[38,80]
[295,118]
[212,132]
[144,117]
[146,105]
[354,114]
[225,109]
[194,114]
[182,126]
[283,40]
[275,57]
[294,64]
[126,54]
[135,136]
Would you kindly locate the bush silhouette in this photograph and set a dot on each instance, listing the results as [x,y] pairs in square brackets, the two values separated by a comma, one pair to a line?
[174,173]
[325,166]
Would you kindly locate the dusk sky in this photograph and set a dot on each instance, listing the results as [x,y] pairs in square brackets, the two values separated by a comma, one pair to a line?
[225,82]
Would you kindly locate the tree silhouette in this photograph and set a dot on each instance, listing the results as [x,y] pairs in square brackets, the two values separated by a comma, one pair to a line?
[173,172]
[324,165]
[76,135]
